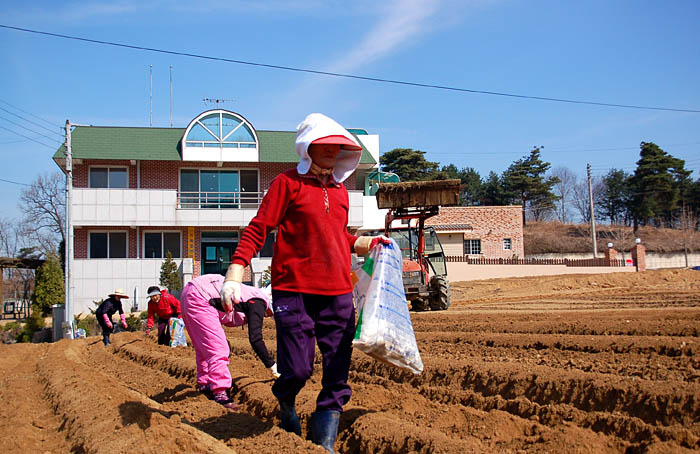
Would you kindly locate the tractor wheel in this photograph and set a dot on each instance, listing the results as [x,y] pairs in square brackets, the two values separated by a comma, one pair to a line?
[441,295]
[419,305]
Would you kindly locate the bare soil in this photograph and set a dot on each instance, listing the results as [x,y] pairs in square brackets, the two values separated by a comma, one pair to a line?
[558,364]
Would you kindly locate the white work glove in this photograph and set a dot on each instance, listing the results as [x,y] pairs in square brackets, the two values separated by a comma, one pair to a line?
[231,290]
[273,371]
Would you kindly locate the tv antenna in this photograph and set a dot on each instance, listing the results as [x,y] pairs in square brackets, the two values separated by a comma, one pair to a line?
[217,101]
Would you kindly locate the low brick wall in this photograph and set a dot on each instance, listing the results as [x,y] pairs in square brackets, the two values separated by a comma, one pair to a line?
[465,272]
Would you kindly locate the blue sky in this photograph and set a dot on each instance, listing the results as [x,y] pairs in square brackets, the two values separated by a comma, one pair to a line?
[641,53]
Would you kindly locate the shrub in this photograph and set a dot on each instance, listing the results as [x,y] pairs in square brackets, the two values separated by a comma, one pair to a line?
[35,322]
[169,276]
[50,285]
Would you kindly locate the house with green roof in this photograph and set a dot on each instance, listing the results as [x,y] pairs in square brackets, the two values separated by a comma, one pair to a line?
[141,193]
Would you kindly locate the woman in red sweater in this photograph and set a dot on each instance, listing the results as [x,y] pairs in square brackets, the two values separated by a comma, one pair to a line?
[166,306]
[311,286]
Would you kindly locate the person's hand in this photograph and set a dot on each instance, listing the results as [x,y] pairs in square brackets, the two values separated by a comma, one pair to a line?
[230,295]
[109,324]
[124,325]
[381,239]
[273,371]
[364,244]
[147,332]
[231,290]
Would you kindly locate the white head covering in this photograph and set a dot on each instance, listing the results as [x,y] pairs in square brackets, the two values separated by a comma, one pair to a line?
[316,126]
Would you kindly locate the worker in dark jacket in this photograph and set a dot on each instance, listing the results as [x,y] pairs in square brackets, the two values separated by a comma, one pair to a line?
[166,306]
[105,311]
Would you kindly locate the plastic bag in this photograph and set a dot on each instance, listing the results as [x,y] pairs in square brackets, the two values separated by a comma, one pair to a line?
[177,332]
[384,329]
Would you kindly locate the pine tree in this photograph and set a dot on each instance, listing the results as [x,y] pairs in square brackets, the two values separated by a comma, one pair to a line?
[49,285]
[169,277]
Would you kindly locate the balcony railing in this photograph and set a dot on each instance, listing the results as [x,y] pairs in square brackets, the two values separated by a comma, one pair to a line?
[219,200]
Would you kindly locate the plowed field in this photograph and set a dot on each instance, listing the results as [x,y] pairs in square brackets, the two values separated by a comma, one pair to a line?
[560,364]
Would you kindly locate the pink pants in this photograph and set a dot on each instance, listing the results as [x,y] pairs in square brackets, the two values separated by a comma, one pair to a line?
[208,338]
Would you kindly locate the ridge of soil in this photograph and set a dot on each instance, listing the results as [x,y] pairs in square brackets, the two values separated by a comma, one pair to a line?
[577,364]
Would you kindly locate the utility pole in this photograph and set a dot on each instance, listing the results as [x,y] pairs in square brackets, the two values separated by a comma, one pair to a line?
[685,244]
[68,316]
[590,201]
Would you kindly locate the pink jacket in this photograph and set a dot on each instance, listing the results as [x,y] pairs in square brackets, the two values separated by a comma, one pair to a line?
[208,286]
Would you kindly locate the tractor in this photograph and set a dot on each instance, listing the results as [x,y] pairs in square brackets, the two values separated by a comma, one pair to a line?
[424,265]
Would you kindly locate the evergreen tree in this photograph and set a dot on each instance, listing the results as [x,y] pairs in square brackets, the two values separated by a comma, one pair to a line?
[408,164]
[49,287]
[169,276]
[656,186]
[525,178]
[470,183]
[614,201]
[492,191]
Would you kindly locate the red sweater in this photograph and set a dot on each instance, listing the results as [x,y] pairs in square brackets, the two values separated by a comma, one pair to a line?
[168,306]
[313,246]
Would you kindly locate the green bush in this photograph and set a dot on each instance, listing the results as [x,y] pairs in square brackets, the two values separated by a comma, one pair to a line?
[89,324]
[169,276]
[9,332]
[50,285]
[35,322]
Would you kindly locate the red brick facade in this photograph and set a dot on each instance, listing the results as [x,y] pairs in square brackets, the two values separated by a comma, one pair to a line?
[492,225]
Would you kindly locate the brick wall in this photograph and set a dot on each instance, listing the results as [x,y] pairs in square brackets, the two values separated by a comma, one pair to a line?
[490,224]
[166,174]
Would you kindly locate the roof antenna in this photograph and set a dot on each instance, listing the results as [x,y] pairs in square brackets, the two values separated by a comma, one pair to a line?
[151,114]
[208,101]
[171,96]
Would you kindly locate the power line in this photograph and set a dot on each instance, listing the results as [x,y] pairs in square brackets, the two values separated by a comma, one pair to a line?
[29,113]
[14,182]
[24,127]
[32,122]
[27,137]
[348,76]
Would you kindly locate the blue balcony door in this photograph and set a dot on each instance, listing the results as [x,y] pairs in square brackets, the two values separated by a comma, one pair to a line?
[219,189]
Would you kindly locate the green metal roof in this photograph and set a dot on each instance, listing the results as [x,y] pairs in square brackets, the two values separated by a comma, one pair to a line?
[163,144]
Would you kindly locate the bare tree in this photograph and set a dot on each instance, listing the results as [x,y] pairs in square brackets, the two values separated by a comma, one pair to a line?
[44,206]
[564,190]
[579,197]
[17,282]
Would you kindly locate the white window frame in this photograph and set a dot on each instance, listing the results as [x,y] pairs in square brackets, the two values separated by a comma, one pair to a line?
[163,252]
[507,244]
[464,246]
[89,252]
[108,167]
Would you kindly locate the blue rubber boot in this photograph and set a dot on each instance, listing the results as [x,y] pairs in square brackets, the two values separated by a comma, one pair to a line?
[289,420]
[324,428]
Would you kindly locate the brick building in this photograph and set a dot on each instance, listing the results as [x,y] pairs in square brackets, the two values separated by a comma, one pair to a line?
[480,231]
[139,193]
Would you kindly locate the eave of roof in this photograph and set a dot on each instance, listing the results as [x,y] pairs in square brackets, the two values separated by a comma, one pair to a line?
[163,144]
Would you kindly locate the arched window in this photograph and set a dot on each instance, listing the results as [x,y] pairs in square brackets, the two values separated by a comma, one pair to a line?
[220,135]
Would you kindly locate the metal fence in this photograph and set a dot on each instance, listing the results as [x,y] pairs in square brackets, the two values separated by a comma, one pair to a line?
[566,262]
[219,200]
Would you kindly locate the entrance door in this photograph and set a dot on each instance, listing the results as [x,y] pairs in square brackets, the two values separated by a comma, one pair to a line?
[216,257]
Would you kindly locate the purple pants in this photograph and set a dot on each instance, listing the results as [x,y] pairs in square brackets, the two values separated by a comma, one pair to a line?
[301,321]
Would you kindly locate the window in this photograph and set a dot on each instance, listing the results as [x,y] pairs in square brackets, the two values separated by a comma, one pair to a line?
[507,244]
[220,130]
[104,245]
[108,177]
[156,245]
[218,188]
[472,247]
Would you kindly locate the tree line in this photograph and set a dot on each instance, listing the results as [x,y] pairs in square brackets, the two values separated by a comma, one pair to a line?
[659,193]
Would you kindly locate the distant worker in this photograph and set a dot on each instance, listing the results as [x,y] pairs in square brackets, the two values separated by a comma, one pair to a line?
[310,271]
[105,311]
[165,305]
[204,317]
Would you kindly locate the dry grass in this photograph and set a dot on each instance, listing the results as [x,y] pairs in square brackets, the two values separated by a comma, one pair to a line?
[554,237]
